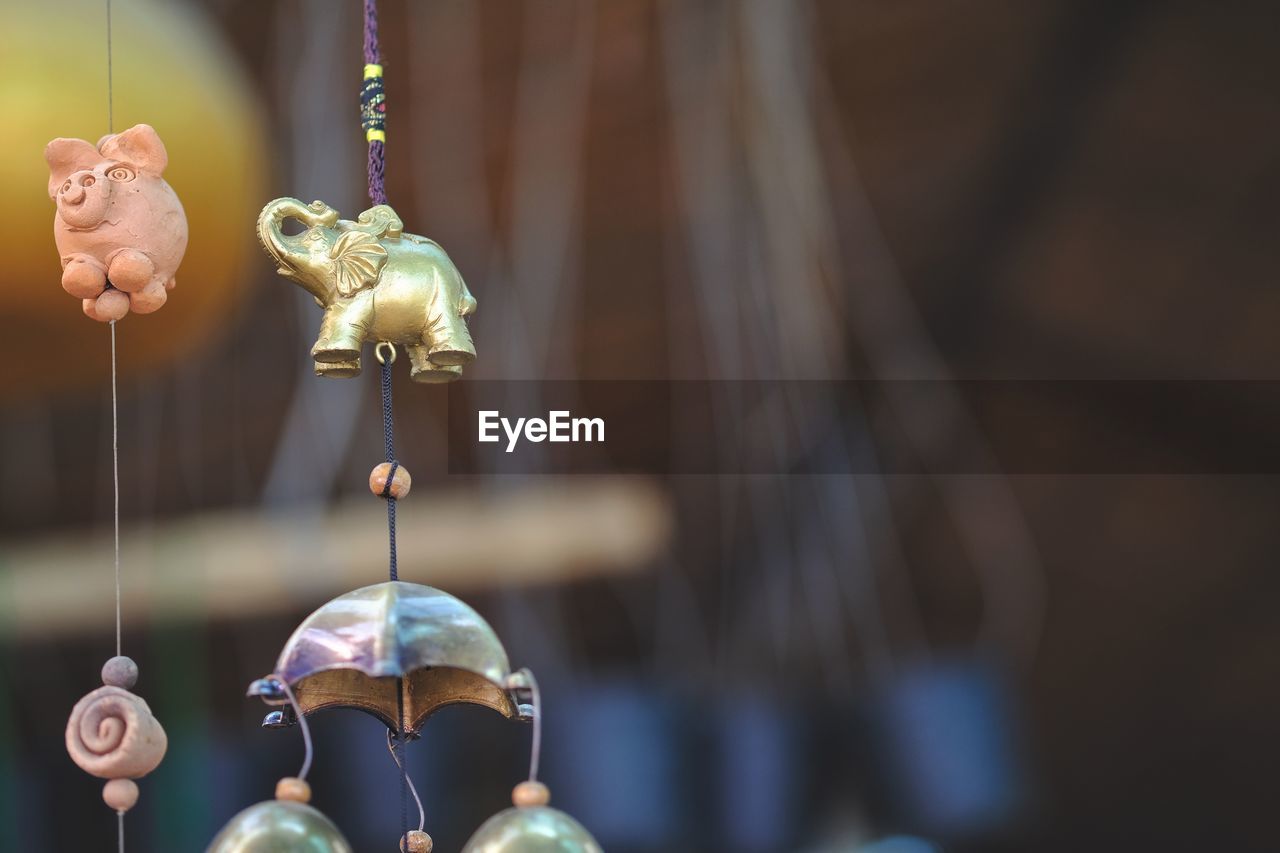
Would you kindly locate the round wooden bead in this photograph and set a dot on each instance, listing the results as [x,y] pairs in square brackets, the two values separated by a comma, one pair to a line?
[294,789]
[400,483]
[120,671]
[120,794]
[416,841]
[530,795]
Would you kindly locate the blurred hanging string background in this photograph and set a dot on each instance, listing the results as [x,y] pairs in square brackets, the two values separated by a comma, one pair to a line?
[754,195]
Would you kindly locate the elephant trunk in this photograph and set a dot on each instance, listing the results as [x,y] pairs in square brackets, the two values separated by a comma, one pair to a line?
[289,251]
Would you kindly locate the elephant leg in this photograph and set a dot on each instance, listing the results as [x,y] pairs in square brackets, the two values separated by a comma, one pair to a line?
[450,340]
[130,270]
[83,277]
[338,369]
[422,369]
[341,333]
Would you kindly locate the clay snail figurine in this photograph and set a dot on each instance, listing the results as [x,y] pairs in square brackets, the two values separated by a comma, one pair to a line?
[377,284]
[120,229]
[113,735]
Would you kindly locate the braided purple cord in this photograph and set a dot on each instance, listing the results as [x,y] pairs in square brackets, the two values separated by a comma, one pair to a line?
[377,172]
[378,195]
[377,149]
[372,54]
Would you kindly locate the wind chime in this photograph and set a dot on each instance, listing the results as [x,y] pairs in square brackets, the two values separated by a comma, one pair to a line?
[121,232]
[397,650]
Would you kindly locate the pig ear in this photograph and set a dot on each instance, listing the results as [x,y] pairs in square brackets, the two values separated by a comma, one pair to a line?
[139,146]
[66,156]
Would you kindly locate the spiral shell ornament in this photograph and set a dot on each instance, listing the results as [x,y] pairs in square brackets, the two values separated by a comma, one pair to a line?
[113,735]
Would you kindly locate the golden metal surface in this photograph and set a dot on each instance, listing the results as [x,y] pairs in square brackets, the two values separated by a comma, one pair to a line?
[532,830]
[377,284]
[360,648]
[278,826]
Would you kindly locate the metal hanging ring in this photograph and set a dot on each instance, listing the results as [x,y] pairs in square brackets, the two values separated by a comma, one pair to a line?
[377,351]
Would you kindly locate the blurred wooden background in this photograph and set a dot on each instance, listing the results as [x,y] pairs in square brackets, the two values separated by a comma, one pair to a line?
[842,188]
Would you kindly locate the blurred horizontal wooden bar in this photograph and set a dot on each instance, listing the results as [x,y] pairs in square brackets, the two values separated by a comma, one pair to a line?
[253,562]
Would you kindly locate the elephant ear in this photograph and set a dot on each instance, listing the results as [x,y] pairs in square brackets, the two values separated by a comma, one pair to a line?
[358,259]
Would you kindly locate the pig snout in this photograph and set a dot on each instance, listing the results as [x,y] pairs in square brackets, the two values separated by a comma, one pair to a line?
[83,199]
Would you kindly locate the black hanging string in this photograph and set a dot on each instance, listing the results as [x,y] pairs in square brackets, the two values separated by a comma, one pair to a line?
[388,441]
[373,110]
[389,444]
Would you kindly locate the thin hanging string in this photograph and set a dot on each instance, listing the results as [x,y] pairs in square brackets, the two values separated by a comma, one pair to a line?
[115,483]
[115,417]
[535,749]
[111,119]
[388,441]
[115,420]
[406,785]
[389,445]
[373,112]
[394,746]
[308,749]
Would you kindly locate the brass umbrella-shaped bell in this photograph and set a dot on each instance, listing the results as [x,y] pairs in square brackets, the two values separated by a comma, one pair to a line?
[399,651]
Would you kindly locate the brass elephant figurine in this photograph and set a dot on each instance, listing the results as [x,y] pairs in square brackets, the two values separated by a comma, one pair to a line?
[376,284]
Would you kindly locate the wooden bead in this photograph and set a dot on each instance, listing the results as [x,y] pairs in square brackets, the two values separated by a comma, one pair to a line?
[294,789]
[416,841]
[120,794]
[530,794]
[400,483]
[120,671]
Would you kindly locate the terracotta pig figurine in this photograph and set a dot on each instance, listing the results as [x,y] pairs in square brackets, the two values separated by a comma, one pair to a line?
[120,228]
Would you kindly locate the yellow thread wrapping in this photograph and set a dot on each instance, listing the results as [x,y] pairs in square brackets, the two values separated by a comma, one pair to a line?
[373,107]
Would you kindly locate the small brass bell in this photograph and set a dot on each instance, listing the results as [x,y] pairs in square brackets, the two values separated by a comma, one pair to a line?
[277,825]
[531,827]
